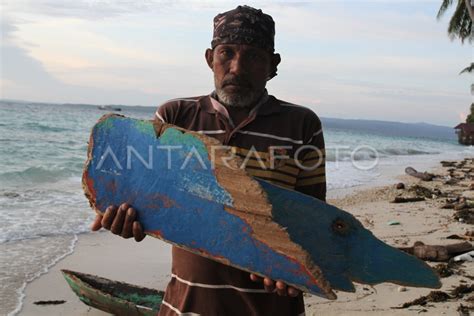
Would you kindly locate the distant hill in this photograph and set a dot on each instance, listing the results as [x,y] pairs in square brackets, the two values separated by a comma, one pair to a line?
[387,128]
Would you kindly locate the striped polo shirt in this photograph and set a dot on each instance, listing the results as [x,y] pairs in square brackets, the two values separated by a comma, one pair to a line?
[278,142]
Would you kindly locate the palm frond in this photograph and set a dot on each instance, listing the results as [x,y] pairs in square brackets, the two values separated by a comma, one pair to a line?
[443,8]
[460,24]
[468,69]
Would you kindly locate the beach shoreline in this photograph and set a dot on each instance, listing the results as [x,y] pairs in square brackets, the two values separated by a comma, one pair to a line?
[104,254]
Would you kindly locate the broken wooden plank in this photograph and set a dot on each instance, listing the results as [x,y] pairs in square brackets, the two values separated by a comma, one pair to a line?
[189,190]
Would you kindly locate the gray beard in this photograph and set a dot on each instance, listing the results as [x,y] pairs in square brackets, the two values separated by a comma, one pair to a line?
[238,100]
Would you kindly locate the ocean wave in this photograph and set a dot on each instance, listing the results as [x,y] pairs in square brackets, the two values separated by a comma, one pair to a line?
[47,210]
[81,229]
[44,225]
[45,128]
[406,152]
[370,153]
[50,256]
[37,175]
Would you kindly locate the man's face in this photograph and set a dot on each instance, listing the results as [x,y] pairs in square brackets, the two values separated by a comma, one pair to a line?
[240,73]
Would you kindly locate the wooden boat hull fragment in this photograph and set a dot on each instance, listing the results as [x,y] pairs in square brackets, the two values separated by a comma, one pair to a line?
[187,191]
[114,297]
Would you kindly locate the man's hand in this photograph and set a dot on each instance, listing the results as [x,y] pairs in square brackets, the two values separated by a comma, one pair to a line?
[279,287]
[120,221]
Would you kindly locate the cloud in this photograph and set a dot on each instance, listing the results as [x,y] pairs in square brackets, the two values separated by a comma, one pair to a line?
[347,59]
[101,9]
[335,21]
[25,78]
[77,9]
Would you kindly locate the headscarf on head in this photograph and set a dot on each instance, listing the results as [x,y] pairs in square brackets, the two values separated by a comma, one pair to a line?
[244,25]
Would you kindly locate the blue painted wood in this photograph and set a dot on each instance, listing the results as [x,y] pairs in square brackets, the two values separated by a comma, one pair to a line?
[187,207]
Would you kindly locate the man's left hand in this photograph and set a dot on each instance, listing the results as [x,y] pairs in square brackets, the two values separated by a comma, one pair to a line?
[276,286]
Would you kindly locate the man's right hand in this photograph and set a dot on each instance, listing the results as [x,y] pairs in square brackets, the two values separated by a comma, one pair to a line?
[120,221]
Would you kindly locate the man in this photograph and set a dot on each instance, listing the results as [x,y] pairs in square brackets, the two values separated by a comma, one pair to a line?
[278,141]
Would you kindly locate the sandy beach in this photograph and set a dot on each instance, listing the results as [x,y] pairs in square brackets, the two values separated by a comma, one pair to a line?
[148,263]
[422,221]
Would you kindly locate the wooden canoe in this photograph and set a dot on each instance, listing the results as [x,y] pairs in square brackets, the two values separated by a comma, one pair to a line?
[188,192]
[114,297]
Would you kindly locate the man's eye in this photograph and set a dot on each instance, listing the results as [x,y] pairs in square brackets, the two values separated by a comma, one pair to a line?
[255,56]
[225,52]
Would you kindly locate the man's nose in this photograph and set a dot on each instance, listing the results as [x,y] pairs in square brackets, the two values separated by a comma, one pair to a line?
[238,65]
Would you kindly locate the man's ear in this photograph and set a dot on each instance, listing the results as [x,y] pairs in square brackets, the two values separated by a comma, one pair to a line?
[210,58]
[275,61]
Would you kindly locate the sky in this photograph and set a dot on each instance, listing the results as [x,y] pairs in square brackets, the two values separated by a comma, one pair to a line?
[385,60]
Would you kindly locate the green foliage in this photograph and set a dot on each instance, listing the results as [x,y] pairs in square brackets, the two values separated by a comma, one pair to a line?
[470,117]
[460,26]
[460,23]
[468,69]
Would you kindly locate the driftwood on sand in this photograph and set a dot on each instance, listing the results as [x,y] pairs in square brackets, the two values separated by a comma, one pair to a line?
[401,199]
[437,252]
[425,176]
[468,235]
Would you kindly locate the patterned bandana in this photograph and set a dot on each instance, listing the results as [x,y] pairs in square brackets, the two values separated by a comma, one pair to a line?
[244,25]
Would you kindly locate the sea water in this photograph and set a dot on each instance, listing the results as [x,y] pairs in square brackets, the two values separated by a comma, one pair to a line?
[43,208]
[42,205]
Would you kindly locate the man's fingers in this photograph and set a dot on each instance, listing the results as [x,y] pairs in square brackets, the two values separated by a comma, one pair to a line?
[128,223]
[109,216]
[293,292]
[120,221]
[281,288]
[269,284]
[138,233]
[255,278]
[96,224]
[117,224]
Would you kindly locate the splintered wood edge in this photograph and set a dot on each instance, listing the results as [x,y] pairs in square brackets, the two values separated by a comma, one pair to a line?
[252,206]
[86,185]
